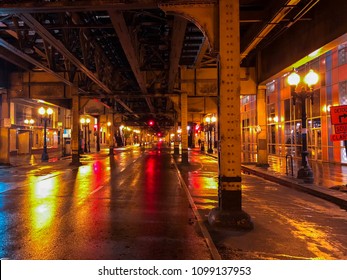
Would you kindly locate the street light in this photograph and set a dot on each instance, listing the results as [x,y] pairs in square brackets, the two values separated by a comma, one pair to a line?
[306,91]
[31,122]
[31,126]
[210,124]
[85,123]
[213,120]
[46,115]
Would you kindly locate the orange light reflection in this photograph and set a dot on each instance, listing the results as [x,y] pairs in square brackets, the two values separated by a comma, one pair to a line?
[43,202]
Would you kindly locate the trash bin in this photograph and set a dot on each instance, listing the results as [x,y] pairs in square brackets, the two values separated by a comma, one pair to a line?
[67,146]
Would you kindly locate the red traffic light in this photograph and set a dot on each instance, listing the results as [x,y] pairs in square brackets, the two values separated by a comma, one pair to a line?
[151,123]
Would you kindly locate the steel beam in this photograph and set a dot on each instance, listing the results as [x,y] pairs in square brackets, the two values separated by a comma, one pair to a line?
[10,57]
[130,52]
[47,36]
[201,54]
[179,29]
[26,57]
[75,6]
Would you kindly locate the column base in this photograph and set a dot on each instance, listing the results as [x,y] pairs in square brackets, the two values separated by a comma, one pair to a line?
[306,174]
[44,157]
[111,151]
[176,148]
[185,157]
[231,219]
[75,160]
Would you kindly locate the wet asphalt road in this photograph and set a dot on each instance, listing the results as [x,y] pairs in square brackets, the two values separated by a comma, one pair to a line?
[130,206]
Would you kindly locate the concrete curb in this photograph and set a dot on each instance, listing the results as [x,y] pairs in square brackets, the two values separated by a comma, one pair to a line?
[208,239]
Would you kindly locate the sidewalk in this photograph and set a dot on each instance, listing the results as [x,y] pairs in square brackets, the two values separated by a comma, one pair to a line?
[330,180]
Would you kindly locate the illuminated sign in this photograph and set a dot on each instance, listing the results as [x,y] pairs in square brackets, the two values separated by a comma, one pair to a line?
[340,128]
[338,114]
[338,137]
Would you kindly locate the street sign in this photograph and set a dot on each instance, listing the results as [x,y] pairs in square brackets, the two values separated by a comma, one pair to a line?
[338,114]
[338,137]
[340,128]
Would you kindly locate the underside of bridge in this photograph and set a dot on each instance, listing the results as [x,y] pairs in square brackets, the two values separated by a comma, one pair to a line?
[136,57]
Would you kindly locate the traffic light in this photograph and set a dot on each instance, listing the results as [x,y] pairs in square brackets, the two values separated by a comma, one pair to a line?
[150,122]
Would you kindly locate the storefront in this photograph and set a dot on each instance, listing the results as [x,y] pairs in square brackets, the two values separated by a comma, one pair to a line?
[27,127]
[284,116]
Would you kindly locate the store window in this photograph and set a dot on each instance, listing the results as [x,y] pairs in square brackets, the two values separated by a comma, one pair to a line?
[313,105]
[248,123]
[343,92]
[342,56]
[270,87]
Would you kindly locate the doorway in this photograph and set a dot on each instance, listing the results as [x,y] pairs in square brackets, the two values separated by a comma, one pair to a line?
[316,144]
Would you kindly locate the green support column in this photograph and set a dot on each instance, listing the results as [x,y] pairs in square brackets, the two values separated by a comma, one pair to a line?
[5,130]
[184,134]
[229,212]
[262,159]
[75,132]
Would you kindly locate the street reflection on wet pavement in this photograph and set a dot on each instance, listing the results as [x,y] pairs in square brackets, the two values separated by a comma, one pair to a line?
[132,206]
[129,206]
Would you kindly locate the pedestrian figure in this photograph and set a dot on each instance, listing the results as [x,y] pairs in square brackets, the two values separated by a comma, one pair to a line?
[199,142]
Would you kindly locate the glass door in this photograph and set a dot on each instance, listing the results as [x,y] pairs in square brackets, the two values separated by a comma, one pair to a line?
[316,144]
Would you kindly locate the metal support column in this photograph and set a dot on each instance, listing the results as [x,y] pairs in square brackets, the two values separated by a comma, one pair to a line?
[98,134]
[176,142]
[75,132]
[184,123]
[4,130]
[229,211]
[262,154]
[112,144]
